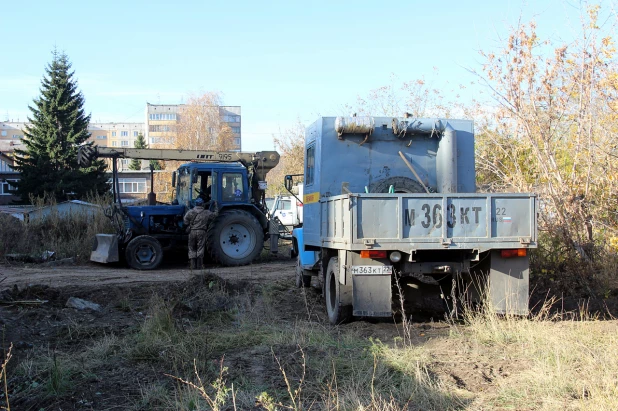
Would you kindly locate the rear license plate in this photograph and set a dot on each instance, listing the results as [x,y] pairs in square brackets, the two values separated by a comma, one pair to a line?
[372,269]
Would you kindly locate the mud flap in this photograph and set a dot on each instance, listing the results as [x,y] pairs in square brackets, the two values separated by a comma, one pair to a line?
[372,295]
[105,249]
[509,284]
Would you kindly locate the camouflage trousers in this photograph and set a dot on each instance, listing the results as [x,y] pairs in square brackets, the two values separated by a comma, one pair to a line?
[197,243]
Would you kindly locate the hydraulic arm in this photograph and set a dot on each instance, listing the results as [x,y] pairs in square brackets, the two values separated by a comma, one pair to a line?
[262,161]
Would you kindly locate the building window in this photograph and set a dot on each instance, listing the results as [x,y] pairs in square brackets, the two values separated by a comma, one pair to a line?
[235,130]
[231,119]
[237,141]
[113,134]
[3,133]
[114,144]
[124,134]
[5,167]
[165,116]
[101,137]
[135,134]
[17,136]
[310,172]
[132,185]
[124,143]
[5,186]
[161,128]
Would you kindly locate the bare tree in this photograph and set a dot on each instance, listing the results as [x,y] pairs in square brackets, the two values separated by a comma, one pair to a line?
[199,125]
[291,146]
[553,130]
[417,97]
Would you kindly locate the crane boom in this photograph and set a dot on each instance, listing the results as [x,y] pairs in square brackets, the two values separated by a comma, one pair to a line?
[261,160]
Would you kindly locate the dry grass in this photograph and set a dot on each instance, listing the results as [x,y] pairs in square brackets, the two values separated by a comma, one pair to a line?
[557,361]
[546,362]
[67,235]
[3,379]
[483,362]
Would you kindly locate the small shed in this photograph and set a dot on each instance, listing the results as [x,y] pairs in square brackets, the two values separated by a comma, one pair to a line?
[66,208]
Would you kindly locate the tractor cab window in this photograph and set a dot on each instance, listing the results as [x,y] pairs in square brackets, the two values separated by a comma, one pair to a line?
[202,186]
[182,186]
[232,187]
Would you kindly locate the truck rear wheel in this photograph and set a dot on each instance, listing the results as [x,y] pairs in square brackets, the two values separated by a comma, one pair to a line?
[302,279]
[235,237]
[337,313]
[144,253]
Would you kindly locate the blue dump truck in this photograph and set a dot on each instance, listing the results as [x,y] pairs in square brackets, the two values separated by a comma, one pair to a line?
[391,215]
[232,183]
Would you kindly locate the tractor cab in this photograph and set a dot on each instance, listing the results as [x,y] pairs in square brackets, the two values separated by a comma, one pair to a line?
[220,184]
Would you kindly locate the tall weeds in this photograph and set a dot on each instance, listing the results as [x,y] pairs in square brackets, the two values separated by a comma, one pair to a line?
[3,379]
[68,234]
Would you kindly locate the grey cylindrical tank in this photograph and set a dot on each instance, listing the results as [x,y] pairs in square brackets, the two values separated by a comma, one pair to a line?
[446,161]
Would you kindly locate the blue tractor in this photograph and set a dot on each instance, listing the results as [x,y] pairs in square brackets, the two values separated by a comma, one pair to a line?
[230,183]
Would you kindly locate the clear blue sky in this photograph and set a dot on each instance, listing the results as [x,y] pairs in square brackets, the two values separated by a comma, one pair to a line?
[280,61]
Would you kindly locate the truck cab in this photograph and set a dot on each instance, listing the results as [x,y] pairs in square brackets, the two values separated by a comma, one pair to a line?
[288,210]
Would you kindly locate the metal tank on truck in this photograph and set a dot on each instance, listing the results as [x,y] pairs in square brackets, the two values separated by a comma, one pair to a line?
[391,204]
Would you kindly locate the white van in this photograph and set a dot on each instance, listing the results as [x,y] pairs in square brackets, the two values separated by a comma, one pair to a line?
[289,209]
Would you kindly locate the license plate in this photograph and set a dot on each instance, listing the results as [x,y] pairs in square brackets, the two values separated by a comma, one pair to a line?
[372,269]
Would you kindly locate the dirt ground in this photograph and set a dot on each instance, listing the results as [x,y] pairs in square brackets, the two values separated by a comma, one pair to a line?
[102,275]
[35,319]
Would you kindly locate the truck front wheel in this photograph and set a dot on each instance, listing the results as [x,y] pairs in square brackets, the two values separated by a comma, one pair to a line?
[337,313]
[144,253]
[235,237]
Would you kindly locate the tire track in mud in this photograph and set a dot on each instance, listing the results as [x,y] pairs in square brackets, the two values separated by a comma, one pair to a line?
[89,275]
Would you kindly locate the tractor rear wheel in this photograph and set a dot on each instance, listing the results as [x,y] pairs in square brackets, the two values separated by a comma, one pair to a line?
[235,237]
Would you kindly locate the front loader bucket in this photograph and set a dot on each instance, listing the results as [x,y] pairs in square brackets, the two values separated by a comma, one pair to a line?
[105,248]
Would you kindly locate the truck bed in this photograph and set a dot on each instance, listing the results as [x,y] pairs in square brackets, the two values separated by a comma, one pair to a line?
[409,222]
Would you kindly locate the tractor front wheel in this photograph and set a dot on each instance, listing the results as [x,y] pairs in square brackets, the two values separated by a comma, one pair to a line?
[144,253]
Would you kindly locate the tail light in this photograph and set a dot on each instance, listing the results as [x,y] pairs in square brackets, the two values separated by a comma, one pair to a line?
[299,204]
[373,254]
[516,252]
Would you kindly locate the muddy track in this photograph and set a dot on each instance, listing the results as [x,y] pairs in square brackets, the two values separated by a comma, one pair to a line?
[95,274]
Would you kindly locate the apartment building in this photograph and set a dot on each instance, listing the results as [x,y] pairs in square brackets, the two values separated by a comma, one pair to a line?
[162,122]
[159,130]
[115,134]
[121,135]
[7,177]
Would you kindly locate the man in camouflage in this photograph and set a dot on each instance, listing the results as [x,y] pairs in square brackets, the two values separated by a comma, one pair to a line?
[197,220]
